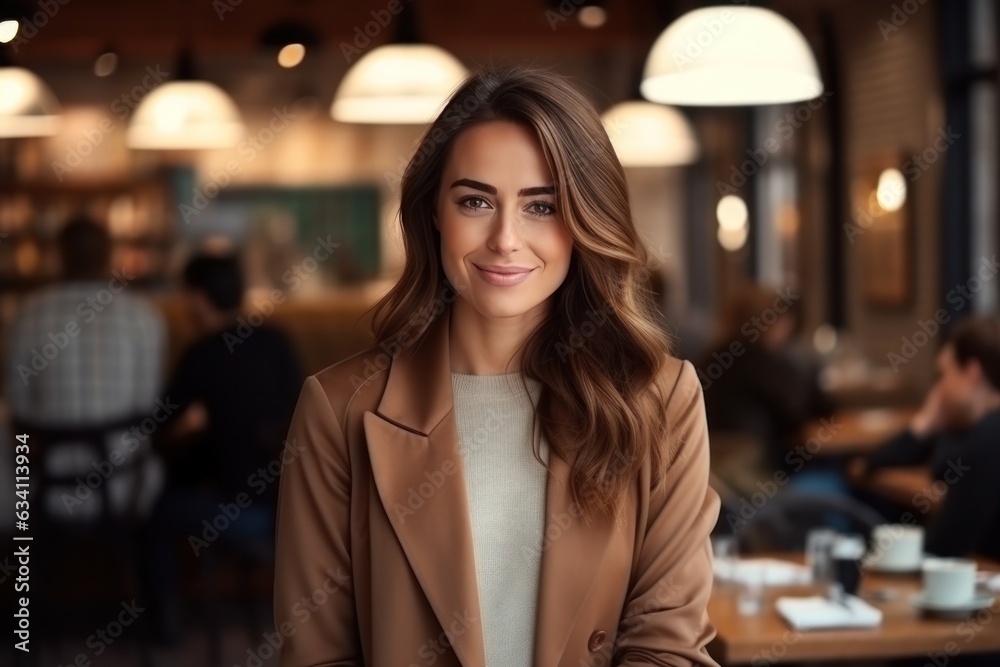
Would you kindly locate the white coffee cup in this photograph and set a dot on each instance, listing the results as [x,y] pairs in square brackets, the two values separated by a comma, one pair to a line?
[949,581]
[897,546]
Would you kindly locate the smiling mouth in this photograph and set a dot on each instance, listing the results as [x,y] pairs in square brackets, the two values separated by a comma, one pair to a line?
[504,275]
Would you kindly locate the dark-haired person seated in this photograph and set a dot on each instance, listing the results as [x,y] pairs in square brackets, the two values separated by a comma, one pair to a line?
[760,393]
[246,380]
[957,435]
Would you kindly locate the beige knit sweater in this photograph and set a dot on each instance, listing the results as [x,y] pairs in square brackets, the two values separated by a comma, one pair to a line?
[506,490]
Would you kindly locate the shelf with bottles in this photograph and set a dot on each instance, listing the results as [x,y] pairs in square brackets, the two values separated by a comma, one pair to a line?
[139,216]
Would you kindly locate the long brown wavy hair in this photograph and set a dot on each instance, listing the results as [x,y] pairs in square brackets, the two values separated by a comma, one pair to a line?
[599,351]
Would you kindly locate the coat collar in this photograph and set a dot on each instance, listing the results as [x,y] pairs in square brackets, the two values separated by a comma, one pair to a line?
[412,440]
[418,391]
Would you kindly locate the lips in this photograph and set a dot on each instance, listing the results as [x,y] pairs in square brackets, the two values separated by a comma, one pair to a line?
[497,268]
[503,275]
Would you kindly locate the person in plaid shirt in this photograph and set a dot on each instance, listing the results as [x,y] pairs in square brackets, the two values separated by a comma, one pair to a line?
[84,353]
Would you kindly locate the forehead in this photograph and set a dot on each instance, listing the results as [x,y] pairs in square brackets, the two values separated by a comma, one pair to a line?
[498,152]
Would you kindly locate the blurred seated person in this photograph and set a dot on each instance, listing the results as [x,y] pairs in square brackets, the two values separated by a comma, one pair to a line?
[756,389]
[86,353]
[956,436]
[245,380]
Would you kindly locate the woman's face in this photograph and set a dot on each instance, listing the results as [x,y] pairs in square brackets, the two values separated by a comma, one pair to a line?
[504,245]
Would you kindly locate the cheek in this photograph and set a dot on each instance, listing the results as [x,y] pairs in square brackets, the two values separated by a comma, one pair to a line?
[456,238]
[557,246]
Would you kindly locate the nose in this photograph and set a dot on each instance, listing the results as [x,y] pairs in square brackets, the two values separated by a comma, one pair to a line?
[505,235]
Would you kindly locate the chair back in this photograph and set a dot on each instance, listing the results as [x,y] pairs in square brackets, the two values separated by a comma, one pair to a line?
[82,481]
[783,521]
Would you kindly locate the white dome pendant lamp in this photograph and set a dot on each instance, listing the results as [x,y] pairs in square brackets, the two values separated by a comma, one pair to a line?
[185,114]
[404,82]
[731,56]
[646,134]
[27,106]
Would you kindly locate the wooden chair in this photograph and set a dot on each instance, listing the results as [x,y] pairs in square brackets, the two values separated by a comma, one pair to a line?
[783,521]
[65,537]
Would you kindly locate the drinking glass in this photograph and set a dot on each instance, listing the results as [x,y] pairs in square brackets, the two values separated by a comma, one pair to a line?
[725,552]
[819,557]
[750,596]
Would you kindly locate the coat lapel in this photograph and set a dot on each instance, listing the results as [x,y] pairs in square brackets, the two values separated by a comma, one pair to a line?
[413,447]
[412,441]
[572,554]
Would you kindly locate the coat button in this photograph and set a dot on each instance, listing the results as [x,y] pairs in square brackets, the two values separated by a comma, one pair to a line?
[597,640]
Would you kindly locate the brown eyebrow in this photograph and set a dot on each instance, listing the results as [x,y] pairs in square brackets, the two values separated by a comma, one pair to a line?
[530,192]
[524,192]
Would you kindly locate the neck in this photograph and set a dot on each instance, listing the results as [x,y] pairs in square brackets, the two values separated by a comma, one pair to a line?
[488,346]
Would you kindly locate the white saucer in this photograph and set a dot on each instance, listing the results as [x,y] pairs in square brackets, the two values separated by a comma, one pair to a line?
[889,568]
[979,601]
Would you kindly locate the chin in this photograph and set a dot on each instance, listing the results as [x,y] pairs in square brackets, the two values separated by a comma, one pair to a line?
[502,310]
[500,307]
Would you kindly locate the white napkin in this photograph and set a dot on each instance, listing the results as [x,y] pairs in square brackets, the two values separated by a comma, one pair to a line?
[819,613]
[750,570]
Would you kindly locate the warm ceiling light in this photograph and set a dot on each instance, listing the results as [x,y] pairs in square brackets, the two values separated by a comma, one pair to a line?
[732,239]
[397,83]
[592,16]
[650,135]
[890,193]
[291,55]
[289,41]
[27,106]
[8,30]
[105,64]
[731,212]
[727,55]
[825,339]
[185,115]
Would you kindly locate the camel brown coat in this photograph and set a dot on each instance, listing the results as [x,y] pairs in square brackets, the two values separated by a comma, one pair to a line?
[375,564]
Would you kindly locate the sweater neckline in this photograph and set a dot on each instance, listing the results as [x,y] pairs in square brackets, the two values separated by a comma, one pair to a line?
[485,386]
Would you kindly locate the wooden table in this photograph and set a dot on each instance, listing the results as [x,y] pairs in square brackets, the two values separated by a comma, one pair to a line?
[766,638]
[855,432]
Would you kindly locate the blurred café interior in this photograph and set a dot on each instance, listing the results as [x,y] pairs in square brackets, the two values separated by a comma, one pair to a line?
[816,183]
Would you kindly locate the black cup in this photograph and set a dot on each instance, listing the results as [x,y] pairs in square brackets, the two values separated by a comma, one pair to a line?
[847,573]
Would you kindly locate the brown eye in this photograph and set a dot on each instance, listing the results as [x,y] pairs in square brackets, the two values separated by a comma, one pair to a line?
[474,203]
[541,209]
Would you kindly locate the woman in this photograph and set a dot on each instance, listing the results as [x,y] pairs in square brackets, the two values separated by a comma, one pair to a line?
[517,472]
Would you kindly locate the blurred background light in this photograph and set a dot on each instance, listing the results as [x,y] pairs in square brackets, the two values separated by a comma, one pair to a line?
[28,108]
[291,55]
[289,42]
[8,30]
[890,193]
[650,135]
[732,239]
[397,83]
[185,114]
[106,64]
[731,211]
[592,16]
